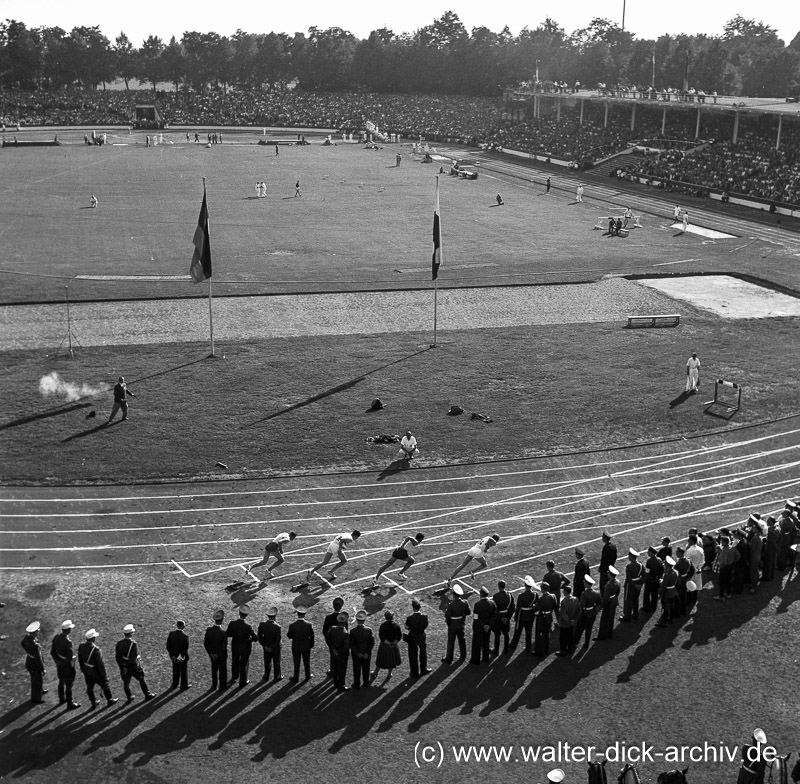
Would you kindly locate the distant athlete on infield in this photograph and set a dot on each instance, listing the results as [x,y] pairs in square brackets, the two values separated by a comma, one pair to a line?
[336,547]
[400,553]
[478,553]
[273,548]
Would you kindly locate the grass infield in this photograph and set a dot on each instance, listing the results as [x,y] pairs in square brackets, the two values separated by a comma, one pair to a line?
[299,406]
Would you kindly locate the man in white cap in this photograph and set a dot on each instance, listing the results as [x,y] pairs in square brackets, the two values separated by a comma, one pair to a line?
[242,638]
[590,604]
[63,654]
[455,616]
[269,636]
[634,580]
[301,633]
[668,591]
[362,641]
[215,642]
[90,660]
[555,776]
[696,556]
[129,662]
[34,662]
[753,764]
[609,604]
[525,614]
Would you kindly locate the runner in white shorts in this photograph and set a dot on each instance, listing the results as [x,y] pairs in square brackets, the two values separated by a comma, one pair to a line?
[336,547]
[478,553]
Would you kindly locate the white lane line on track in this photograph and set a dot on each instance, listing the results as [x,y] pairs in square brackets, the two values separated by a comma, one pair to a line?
[548,485]
[574,498]
[431,480]
[770,488]
[591,541]
[473,526]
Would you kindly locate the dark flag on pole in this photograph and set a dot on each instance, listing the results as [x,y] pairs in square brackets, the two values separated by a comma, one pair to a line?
[436,260]
[200,269]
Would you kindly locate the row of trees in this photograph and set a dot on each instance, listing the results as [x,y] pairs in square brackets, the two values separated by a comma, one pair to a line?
[748,58]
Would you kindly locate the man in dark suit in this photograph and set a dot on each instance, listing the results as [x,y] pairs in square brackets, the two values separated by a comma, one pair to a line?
[63,655]
[331,620]
[269,635]
[417,639]
[609,604]
[242,639]
[483,617]
[504,601]
[362,641]
[301,633]
[608,557]
[339,644]
[653,572]
[216,644]
[582,570]
[178,650]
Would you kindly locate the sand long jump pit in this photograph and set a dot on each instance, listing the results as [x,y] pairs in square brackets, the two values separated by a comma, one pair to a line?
[727,296]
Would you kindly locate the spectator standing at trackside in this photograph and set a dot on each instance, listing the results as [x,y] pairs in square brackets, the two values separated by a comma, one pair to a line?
[34,662]
[121,393]
[608,557]
[178,650]
[417,640]
[215,642]
[568,614]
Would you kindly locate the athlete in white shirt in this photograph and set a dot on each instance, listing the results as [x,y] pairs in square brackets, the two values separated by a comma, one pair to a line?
[273,548]
[336,547]
[478,553]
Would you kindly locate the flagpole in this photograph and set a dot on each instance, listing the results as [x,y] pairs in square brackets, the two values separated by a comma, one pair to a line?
[210,319]
[436,279]
[210,310]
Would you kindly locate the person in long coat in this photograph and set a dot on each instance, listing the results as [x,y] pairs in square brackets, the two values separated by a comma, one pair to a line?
[389,634]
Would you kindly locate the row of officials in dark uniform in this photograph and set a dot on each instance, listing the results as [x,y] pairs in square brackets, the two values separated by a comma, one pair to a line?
[664,579]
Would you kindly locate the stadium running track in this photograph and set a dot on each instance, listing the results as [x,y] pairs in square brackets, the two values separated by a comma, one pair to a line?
[541,507]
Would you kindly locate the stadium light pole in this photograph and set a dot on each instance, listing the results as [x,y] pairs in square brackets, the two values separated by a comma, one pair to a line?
[623,15]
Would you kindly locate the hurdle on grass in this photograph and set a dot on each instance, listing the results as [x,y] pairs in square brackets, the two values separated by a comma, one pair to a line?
[722,391]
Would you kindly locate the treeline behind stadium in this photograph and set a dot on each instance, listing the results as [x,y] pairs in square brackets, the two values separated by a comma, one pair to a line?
[747,58]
